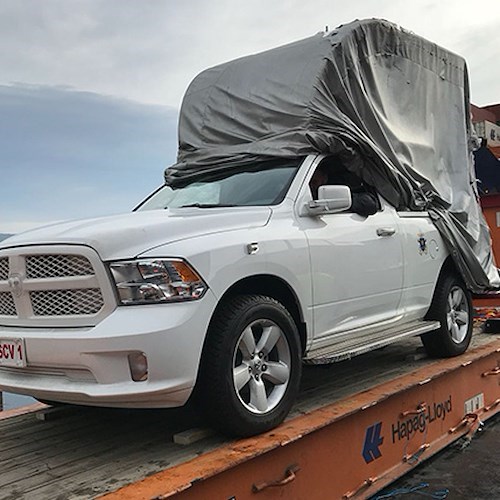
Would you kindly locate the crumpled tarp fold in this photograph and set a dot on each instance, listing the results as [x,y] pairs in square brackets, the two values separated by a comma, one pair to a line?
[392,105]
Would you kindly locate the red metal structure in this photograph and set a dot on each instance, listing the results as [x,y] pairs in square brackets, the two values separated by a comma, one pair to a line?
[348,449]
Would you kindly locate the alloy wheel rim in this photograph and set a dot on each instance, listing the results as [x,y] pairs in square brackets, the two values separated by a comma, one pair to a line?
[261,366]
[457,315]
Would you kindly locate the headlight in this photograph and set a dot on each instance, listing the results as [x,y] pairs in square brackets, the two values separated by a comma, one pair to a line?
[149,281]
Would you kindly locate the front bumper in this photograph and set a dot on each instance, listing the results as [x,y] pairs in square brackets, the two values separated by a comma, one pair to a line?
[90,365]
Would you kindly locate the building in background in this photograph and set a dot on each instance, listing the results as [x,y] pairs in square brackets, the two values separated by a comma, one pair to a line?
[486,122]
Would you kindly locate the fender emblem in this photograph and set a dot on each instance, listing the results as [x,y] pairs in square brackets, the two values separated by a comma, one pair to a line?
[422,244]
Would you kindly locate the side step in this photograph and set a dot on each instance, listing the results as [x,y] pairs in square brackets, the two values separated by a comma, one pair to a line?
[353,345]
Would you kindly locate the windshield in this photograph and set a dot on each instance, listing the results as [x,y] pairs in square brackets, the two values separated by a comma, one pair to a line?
[258,186]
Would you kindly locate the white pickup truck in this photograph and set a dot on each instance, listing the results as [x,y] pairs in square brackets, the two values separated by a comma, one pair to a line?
[225,286]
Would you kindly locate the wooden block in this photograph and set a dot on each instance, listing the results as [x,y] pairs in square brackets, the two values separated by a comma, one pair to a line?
[52,413]
[192,435]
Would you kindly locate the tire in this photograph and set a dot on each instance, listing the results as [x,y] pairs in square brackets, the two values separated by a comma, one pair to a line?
[251,366]
[452,307]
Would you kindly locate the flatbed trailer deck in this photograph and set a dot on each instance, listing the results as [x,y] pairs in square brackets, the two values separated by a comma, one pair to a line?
[357,426]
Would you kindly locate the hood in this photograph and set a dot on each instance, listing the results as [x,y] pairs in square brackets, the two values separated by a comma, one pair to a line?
[128,235]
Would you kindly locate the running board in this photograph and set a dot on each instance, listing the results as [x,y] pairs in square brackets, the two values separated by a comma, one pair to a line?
[350,347]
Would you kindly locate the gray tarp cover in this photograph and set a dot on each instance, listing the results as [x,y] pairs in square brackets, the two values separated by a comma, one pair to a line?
[392,105]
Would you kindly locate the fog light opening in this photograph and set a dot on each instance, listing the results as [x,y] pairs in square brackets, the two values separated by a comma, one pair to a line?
[138,363]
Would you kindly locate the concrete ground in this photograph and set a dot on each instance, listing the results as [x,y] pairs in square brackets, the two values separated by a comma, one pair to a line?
[471,473]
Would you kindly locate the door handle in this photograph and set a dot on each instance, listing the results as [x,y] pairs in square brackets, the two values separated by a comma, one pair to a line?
[386,231]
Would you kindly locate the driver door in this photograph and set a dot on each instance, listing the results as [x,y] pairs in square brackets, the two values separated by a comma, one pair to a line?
[356,267]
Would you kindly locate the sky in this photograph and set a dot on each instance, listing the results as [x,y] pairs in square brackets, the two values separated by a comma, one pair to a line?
[90,90]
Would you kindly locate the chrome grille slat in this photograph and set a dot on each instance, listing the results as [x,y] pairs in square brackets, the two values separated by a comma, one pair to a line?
[57,266]
[66,302]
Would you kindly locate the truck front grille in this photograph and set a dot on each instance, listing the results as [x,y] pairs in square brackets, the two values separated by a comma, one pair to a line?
[40,287]
[66,302]
[57,266]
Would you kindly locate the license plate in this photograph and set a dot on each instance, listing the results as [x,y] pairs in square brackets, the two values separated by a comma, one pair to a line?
[12,353]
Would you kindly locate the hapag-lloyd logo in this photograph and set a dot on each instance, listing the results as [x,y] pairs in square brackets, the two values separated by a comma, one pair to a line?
[405,428]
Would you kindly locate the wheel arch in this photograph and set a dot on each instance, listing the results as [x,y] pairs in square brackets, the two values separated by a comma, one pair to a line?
[271,286]
[259,284]
[448,268]
[447,341]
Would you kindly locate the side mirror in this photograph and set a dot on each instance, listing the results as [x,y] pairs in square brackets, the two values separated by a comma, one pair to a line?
[331,200]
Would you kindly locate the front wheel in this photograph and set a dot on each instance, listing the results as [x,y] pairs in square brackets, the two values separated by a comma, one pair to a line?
[251,366]
[452,307]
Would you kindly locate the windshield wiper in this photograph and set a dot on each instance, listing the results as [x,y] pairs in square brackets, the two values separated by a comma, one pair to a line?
[208,205]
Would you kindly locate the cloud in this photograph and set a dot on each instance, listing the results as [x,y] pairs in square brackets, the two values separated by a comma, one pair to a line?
[108,46]
[478,48]
[150,50]
[91,88]
[68,154]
